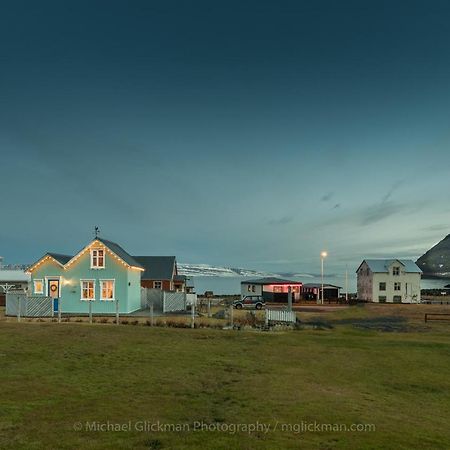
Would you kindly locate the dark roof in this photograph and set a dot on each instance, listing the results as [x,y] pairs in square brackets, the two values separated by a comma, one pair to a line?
[156,267]
[270,280]
[62,259]
[180,278]
[120,252]
[319,285]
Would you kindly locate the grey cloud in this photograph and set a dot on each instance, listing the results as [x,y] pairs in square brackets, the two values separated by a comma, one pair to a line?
[327,197]
[281,221]
[378,212]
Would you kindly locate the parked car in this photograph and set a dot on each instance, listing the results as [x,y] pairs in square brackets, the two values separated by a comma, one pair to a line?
[250,302]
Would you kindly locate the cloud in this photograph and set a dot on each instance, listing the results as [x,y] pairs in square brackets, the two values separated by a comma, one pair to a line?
[378,212]
[281,221]
[391,191]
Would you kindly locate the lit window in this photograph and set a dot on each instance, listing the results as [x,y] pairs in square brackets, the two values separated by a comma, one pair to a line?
[278,289]
[396,271]
[397,286]
[38,287]
[157,284]
[97,258]
[107,289]
[87,290]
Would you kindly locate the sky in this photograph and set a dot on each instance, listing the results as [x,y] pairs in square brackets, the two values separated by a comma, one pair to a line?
[241,133]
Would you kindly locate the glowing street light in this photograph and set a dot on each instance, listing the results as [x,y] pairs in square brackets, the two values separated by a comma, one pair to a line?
[323,255]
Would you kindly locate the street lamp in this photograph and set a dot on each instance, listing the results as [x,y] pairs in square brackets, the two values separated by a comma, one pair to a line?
[323,255]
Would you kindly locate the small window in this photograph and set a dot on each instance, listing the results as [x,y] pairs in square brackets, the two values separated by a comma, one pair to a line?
[87,290]
[157,284]
[397,299]
[107,288]
[38,286]
[382,299]
[382,286]
[97,258]
[397,286]
[396,271]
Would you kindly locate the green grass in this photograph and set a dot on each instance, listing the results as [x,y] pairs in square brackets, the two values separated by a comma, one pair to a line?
[55,375]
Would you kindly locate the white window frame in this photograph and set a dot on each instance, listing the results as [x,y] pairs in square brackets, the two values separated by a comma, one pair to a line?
[399,285]
[396,271]
[158,281]
[94,254]
[113,280]
[81,291]
[40,280]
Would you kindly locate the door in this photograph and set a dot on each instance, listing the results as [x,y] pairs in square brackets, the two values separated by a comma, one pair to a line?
[53,292]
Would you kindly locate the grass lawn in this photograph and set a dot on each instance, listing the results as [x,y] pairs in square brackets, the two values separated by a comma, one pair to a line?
[55,377]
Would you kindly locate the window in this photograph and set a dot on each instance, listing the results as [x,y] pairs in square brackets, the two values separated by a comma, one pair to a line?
[107,288]
[397,299]
[38,287]
[397,286]
[251,288]
[382,299]
[87,290]
[396,271]
[382,286]
[278,289]
[157,284]
[97,258]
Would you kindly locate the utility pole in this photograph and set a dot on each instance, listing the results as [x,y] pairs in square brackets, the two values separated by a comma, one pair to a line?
[346,284]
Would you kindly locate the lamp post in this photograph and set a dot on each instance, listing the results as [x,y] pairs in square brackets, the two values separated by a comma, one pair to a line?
[323,255]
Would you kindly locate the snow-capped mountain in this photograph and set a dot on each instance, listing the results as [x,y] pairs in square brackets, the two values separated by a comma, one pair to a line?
[205,270]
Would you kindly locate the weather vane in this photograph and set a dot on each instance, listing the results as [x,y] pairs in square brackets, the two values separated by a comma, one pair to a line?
[96,231]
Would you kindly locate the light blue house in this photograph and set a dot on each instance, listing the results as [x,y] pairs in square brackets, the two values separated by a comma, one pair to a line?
[102,273]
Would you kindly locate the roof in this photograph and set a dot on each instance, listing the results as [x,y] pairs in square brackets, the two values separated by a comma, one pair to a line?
[14,275]
[319,285]
[382,265]
[112,246]
[120,252]
[270,280]
[180,278]
[62,259]
[157,267]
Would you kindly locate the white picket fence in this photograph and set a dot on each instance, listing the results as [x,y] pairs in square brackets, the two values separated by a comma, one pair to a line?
[280,316]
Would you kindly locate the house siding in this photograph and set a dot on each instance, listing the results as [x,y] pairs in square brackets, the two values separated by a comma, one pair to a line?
[127,284]
[369,285]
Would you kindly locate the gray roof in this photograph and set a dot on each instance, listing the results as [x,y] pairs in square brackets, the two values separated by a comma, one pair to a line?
[270,280]
[120,252]
[319,285]
[157,267]
[62,259]
[382,265]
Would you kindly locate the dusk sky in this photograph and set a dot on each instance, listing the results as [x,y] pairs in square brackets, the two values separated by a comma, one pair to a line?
[247,134]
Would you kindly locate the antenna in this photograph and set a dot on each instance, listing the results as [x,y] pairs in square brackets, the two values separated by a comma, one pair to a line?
[96,231]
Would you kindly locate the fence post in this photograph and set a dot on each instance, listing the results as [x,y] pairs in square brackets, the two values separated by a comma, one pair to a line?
[231,316]
[117,312]
[290,298]
[18,308]
[59,310]
[209,307]
[193,315]
[267,317]
[90,311]
[151,313]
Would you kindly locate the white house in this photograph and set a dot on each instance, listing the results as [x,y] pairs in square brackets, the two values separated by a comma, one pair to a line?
[389,281]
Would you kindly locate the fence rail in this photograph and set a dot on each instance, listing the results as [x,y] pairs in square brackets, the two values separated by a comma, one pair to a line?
[432,316]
